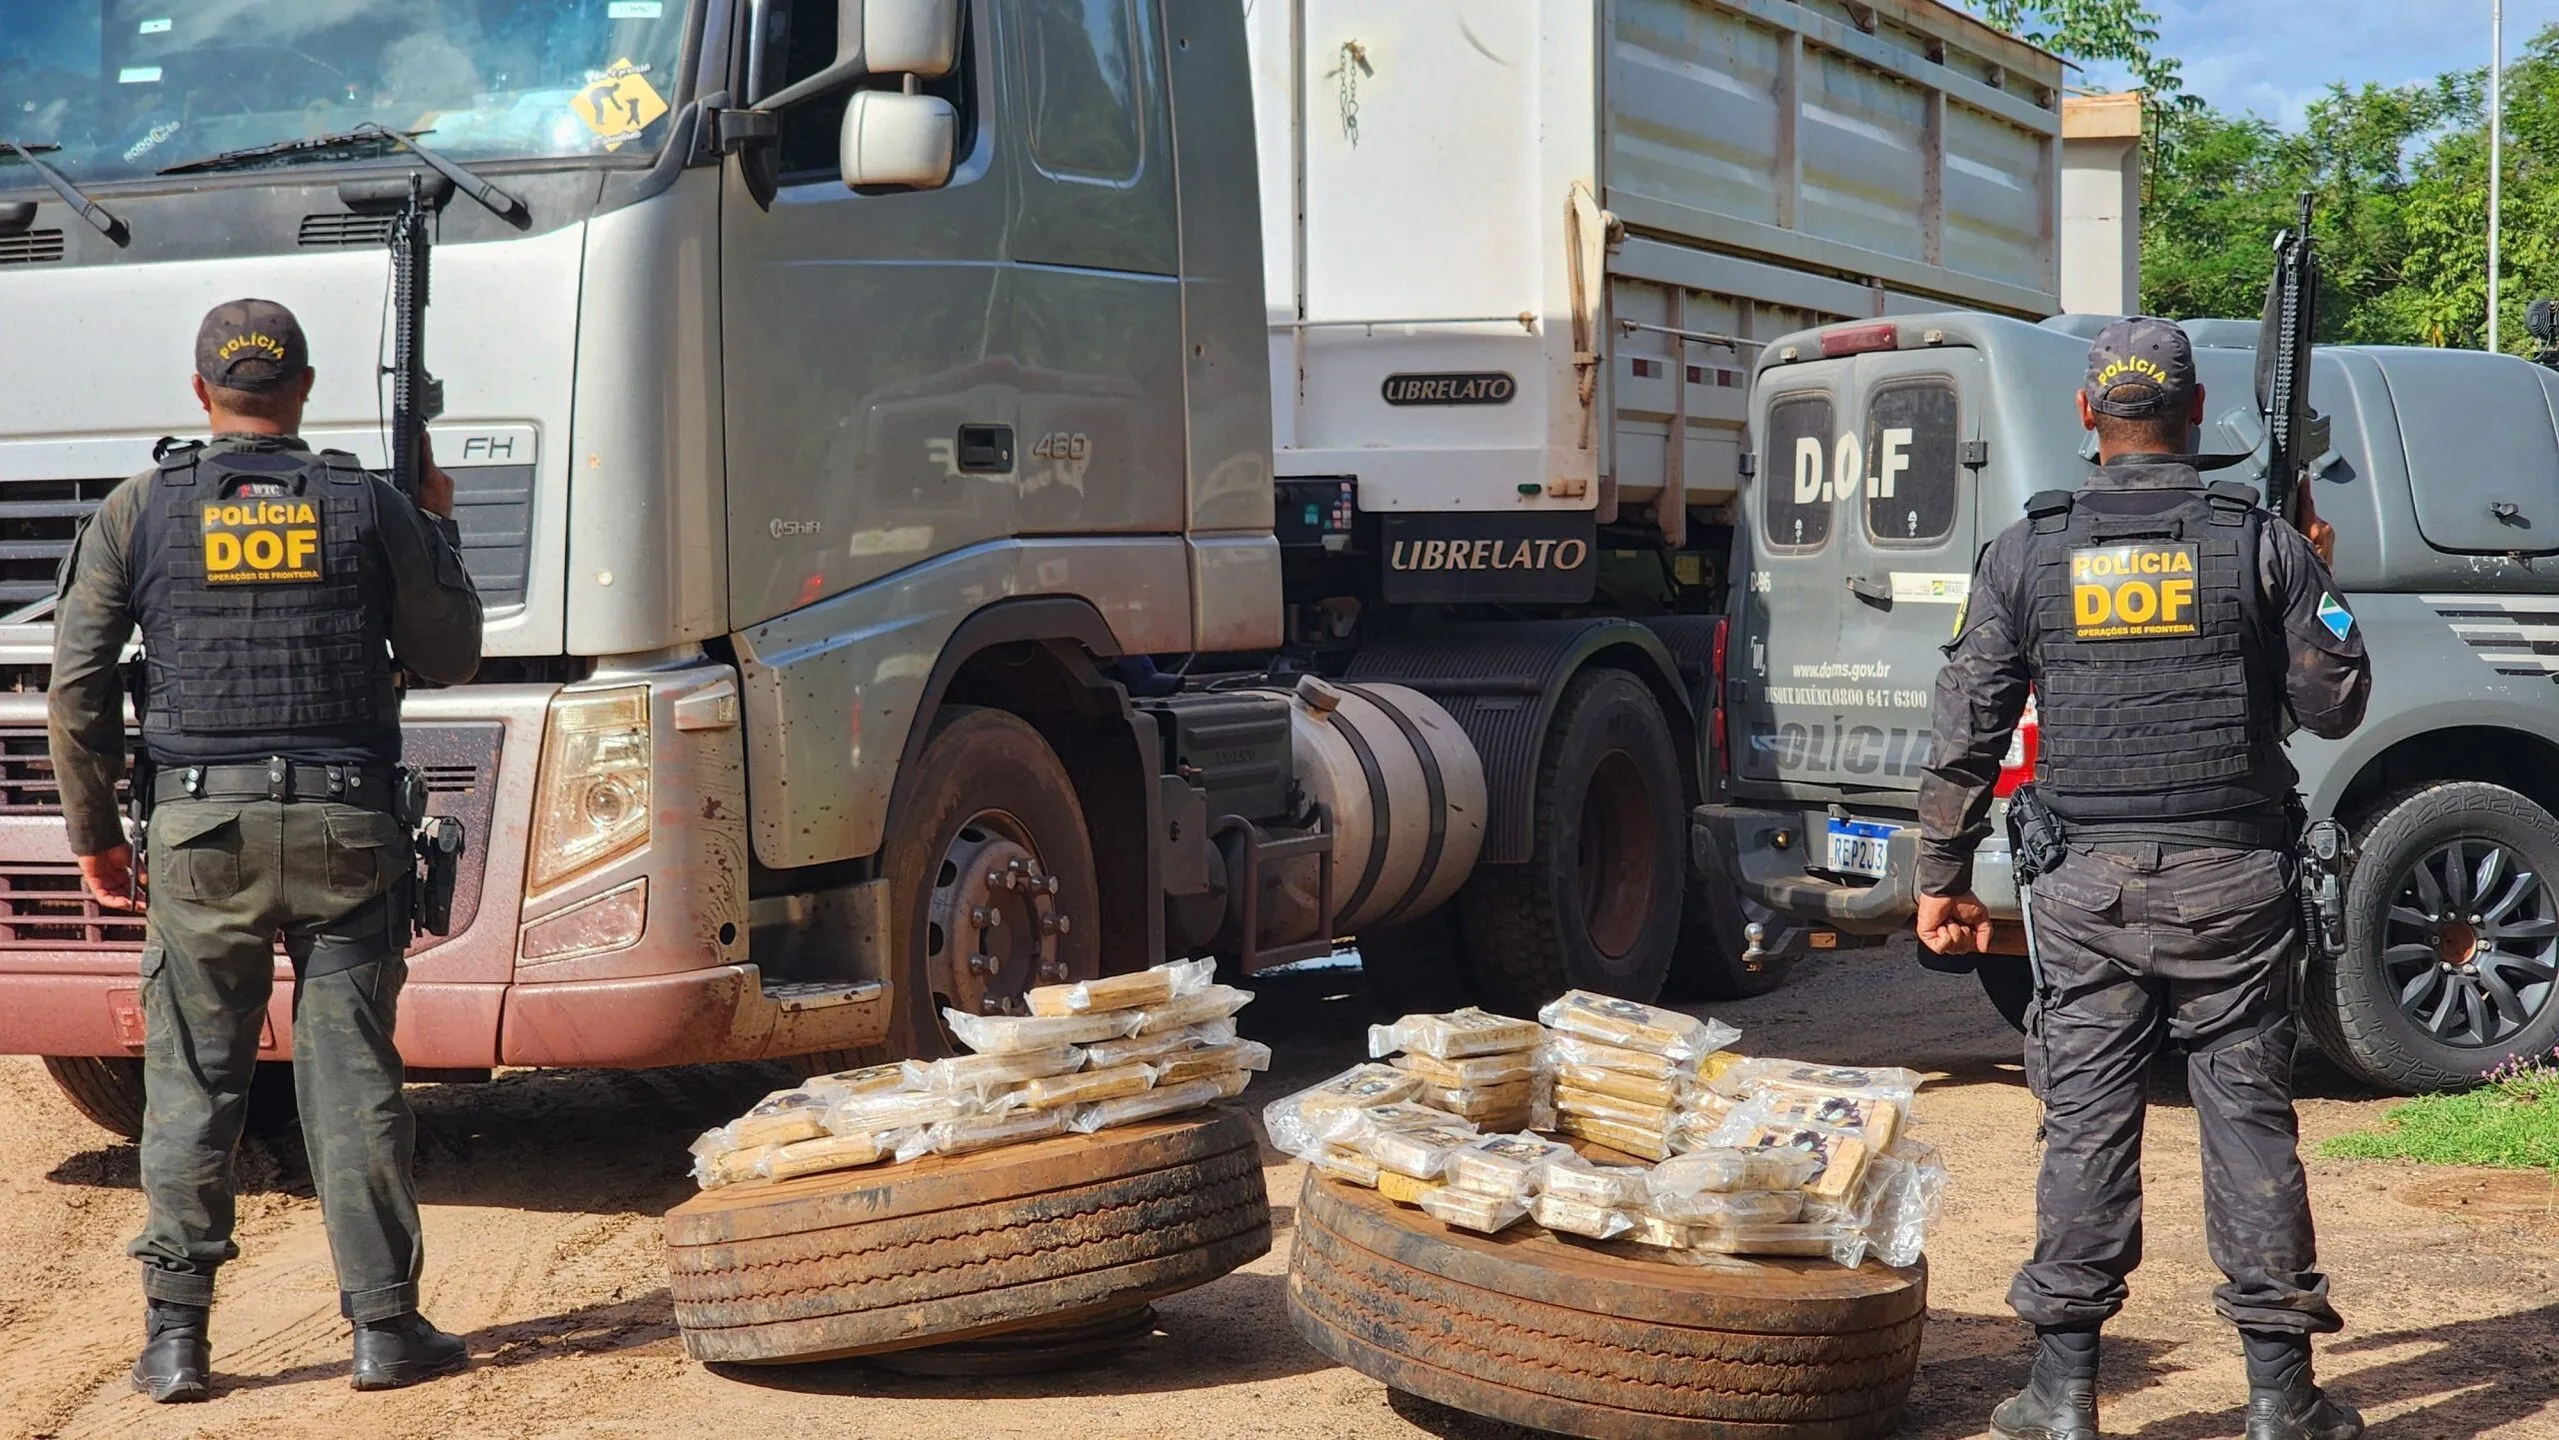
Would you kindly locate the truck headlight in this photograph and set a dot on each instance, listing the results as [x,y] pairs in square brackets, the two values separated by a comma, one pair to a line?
[593,800]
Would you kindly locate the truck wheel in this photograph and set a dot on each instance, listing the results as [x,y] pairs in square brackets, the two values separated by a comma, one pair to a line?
[2452,940]
[961,1247]
[992,873]
[107,1089]
[1415,967]
[1707,959]
[1597,905]
[2010,984]
[1583,1340]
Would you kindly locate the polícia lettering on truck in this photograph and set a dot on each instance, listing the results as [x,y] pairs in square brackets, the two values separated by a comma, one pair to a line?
[1843,748]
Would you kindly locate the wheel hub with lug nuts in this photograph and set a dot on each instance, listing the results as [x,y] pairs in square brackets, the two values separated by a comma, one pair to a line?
[995,923]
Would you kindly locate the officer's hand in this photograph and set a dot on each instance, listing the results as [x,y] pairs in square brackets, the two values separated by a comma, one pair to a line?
[2322,535]
[435,488]
[109,876]
[1954,924]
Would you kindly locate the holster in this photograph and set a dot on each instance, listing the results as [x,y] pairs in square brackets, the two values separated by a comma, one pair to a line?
[2323,854]
[2037,842]
[437,842]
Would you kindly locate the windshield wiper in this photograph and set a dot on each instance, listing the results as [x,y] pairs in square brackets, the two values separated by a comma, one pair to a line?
[90,210]
[362,140]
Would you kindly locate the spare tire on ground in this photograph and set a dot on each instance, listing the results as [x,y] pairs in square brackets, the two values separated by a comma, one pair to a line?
[859,1262]
[1582,1340]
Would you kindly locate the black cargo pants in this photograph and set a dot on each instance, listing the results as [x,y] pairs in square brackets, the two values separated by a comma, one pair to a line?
[2138,942]
[227,879]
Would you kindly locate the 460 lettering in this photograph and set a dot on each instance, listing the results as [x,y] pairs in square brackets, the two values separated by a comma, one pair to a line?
[261,542]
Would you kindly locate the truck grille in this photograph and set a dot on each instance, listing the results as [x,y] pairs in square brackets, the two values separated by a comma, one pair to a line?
[33,248]
[344,229]
[37,521]
[43,907]
[27,786]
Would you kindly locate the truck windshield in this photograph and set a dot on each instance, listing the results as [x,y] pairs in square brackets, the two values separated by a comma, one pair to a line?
[127,87]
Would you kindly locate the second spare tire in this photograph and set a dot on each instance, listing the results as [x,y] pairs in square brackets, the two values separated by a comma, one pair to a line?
[953,1248]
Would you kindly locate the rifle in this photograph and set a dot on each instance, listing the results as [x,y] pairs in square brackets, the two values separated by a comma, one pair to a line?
[2294,436]
[416,396]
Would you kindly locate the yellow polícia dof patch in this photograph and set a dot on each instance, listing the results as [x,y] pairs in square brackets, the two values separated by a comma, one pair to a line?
[2133,592]
[269,542]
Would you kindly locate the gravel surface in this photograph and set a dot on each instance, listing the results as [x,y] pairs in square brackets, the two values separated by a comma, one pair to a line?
[543,1192]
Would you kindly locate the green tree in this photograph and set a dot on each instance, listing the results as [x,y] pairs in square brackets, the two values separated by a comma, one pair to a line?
[2218,200]
[2123,32]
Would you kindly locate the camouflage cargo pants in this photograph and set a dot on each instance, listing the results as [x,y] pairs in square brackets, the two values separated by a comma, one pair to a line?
[227,879]
[2140,942]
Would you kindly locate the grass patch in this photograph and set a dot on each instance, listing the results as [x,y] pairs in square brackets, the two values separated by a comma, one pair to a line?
[2512,1121]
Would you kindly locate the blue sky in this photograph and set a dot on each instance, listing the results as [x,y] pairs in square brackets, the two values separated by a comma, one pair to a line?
[2274,56]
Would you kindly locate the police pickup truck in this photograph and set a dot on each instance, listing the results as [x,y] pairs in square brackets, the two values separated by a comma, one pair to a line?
[1887,453]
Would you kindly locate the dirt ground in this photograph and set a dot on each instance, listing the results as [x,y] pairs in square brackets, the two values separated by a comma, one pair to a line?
[543,1192]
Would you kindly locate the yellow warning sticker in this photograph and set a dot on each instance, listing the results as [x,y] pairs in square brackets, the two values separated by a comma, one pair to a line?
[2132,592]
[618,104]
[269,542]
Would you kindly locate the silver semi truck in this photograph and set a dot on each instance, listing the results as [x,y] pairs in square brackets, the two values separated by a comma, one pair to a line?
[970,493]
[1888,454]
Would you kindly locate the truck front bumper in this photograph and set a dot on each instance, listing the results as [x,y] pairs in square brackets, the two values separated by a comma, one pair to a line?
[545,979]
[1772,853]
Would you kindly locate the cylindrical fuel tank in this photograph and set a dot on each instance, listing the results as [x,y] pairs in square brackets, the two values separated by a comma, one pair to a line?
[1406,793]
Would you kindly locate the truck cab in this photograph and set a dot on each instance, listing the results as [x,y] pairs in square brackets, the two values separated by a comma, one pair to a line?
[1887,454]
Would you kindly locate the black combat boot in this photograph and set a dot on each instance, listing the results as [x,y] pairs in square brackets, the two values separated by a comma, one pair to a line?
[177,1359]
[2060,1398]
[404,1350]
[2283,1403]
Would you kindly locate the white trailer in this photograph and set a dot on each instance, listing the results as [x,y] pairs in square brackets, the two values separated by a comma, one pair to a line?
[1607,204]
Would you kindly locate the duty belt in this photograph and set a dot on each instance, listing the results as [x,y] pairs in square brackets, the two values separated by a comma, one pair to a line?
[374,787]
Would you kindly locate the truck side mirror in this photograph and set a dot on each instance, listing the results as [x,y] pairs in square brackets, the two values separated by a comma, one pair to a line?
[881,37]
[909,37]
[898,140]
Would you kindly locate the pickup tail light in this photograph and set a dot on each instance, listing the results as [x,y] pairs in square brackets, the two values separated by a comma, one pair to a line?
[1717,734]
[2019,766]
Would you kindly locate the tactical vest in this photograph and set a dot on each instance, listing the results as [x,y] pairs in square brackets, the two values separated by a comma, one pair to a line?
[264,601]
[2155,667]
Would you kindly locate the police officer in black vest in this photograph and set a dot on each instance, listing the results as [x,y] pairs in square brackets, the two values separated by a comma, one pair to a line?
[2172,634]
[273,587]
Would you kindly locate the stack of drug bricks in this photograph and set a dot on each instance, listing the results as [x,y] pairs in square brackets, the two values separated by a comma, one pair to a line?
[1089,1057]
[1687,1148]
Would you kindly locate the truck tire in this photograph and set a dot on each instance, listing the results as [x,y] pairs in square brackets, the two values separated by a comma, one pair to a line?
[987,798]
[1597,1342]
[107,1089]
[2452,940]
[1415,967]
[1596,906]
[957,1248]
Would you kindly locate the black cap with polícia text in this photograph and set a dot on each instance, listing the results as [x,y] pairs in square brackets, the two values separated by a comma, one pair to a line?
[250,345]
[2139,367]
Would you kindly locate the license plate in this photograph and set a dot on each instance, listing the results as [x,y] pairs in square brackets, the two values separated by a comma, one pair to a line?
[1857,847]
